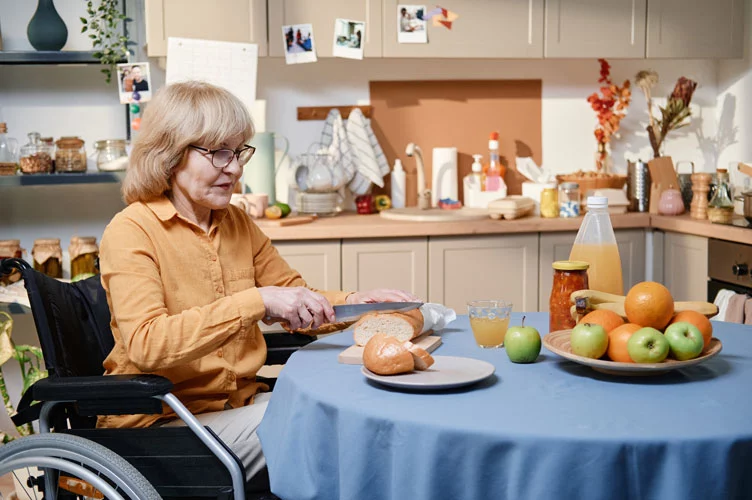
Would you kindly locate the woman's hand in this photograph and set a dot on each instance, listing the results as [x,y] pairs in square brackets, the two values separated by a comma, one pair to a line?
[381,295]
[298,306]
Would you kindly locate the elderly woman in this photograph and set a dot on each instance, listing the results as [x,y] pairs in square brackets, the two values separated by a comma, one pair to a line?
[188,276]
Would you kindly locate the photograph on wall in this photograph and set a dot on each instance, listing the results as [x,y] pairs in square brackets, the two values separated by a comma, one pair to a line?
[134,82]
[299,44]
[411,23]
[349,37]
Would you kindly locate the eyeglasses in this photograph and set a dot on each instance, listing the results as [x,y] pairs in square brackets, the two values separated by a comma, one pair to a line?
[220,158]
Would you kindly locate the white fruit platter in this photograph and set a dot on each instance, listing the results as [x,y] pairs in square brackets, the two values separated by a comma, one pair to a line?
[558,343]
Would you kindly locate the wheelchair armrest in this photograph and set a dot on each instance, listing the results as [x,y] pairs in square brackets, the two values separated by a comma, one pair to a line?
[110,387]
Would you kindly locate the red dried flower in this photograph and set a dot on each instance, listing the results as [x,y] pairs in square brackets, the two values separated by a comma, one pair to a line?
[612,96]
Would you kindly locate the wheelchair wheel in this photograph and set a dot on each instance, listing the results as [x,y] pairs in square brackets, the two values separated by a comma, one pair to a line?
[74,467]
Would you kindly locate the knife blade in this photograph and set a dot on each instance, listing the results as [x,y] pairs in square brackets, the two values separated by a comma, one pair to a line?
[353,312]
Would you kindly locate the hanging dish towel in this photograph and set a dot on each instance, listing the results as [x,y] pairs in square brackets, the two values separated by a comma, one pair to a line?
[367,163]
[334,138]
[735,310]
[721,300]
[748,312]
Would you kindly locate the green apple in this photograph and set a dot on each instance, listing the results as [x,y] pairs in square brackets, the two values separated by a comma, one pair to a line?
[647,345]
[589,340]
[522,343]
[685,340]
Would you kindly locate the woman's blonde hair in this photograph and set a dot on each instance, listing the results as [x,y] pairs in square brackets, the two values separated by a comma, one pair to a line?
[180,114]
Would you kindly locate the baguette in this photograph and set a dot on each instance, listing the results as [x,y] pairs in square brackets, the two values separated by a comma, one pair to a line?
[321,330]
[385,355]
[402,325]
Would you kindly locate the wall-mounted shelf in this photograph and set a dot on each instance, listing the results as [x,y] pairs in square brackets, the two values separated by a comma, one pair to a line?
[61,179]
[48,57]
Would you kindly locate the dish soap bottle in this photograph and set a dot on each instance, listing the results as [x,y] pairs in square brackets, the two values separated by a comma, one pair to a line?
[596,244]
[472,183]
[494,174]
[398,185]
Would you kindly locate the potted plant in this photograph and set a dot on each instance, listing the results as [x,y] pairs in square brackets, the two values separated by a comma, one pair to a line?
[107,28]
[30,361]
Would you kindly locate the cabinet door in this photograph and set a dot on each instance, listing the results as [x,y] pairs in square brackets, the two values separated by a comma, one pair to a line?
[556,246]
[595,28]
[321,14]
[318,262]
[222,20]
[485,28]
[484,267]
[695,28]
[386,263]
[685,266]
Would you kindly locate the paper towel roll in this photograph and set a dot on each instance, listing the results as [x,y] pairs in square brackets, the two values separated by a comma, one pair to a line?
[444,175]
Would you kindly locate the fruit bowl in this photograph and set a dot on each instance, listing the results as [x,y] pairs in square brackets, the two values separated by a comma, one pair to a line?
[558,343]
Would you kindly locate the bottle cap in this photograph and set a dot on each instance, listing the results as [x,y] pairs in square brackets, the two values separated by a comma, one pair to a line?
[476,166]
[398,165]
[493,144]
[597,202]
[494,136]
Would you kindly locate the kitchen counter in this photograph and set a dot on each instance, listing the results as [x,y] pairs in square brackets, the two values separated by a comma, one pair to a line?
[353,226]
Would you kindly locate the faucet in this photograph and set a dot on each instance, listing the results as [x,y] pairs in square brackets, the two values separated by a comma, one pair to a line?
[424,195]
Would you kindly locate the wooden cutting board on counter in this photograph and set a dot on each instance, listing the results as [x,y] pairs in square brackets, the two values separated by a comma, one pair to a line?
[353,355]
[292,220]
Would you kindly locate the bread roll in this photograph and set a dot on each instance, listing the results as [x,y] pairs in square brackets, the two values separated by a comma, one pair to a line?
[422,359]
[401,325]
[385,355]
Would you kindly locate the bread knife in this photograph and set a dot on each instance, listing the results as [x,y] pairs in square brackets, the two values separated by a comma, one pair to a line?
[353,312]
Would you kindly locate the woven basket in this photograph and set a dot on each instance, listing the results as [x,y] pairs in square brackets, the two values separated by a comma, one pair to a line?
[587,183]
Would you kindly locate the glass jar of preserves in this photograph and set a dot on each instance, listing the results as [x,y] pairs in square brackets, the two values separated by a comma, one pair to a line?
[569,199]
[549,202]
[70,155]
[569,276]
[36,156]
[48,257]
[83,254]
[112,155]
[10,249]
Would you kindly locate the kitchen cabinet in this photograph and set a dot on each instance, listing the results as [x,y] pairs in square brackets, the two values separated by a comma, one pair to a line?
[221,20]
[595,28]
[485,29]
[319,262]
[321,14]
[685,266]
[400,263]
[695,28]
[556,246]
[484,267]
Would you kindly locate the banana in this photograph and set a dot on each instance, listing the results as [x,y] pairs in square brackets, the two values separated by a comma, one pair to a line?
[584,306]
[707,308]
[596,297]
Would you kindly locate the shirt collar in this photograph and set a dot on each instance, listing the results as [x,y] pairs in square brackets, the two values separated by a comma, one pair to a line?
[165,210]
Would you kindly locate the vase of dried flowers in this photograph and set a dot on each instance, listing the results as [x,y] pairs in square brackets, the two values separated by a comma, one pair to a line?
[610,107]
[676,114]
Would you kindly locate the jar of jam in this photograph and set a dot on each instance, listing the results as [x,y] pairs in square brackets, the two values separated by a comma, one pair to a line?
[569,276]
[83,253]
[48,257]
[10,249]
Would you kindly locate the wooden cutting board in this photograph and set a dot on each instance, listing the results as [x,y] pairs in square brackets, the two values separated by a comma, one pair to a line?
[292,220]
[353,355]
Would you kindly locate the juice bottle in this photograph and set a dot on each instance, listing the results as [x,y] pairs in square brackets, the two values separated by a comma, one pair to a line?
[493,178]
[596,244]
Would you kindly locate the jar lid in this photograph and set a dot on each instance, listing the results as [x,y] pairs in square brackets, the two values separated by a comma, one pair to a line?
[47,241]
[3,128]
[69,143]
[570,265]
[83,239]
[570,185]
[106,143]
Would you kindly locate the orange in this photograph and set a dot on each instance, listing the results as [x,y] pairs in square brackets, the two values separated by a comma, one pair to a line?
[649,304]
[699,320]
[607,319]
[617,342]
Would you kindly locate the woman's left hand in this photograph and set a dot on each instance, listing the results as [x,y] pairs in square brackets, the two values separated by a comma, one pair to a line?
[381,295]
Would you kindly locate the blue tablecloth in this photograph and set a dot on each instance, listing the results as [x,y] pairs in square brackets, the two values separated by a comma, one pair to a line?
[553,429]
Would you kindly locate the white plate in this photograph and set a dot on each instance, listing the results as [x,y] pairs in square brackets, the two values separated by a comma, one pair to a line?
[446,372]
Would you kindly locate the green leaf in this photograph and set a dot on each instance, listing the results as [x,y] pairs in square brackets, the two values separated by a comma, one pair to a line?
[83,30]
[97,55]
[92,36]
[83,20]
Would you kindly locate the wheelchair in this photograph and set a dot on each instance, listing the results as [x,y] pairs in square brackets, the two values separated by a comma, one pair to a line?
[75,459]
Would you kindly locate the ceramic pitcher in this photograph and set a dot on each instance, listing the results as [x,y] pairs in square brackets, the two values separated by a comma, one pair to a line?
[259,173]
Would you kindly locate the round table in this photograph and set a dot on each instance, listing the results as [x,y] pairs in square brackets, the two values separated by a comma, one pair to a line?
[552,429]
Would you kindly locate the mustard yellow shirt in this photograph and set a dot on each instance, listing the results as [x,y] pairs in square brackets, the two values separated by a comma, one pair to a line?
[185,305]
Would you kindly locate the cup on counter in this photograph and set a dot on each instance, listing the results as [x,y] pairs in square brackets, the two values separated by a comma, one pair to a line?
[489,320]
[256,204]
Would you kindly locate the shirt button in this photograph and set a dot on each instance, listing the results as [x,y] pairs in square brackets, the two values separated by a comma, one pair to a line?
[219,353]
[220,289]
[232,377]
[214,258]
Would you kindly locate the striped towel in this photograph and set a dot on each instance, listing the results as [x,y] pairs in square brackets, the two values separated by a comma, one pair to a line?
[334,138]
[366,158]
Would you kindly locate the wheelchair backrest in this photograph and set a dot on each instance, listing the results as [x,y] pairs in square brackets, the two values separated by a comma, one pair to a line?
[72,321]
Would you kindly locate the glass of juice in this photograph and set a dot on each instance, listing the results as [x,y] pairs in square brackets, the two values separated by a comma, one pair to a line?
[489,320]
